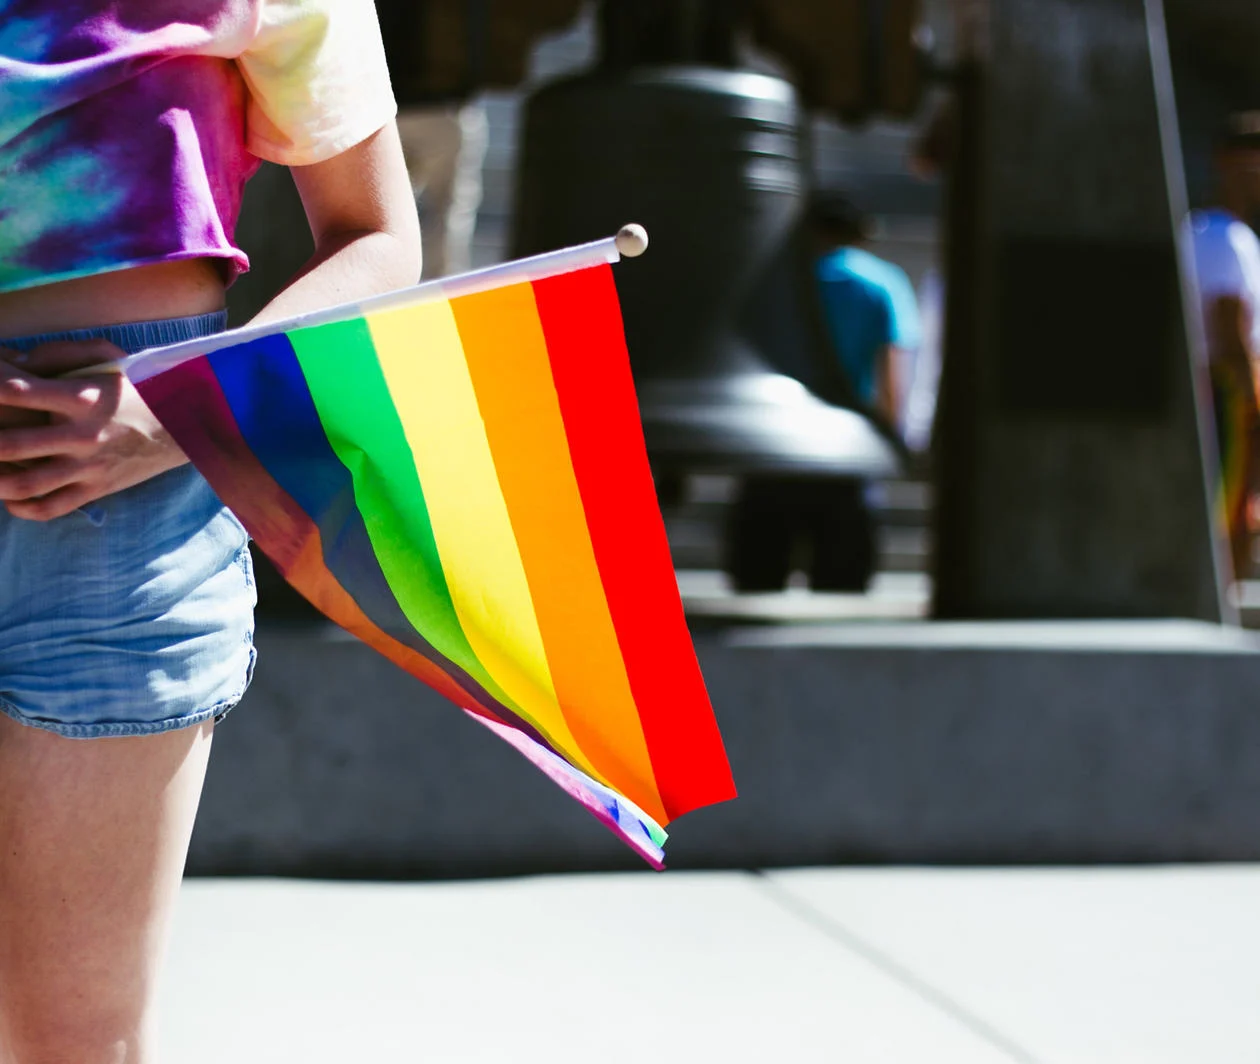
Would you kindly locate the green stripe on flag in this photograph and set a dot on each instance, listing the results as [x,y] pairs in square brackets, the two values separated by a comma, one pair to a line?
[362,426]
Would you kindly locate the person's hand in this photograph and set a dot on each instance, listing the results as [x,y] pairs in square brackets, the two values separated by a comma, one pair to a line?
[12,417]
[62,356]
[97,435]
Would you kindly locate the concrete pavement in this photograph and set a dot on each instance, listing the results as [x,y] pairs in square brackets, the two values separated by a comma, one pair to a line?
[1150,965]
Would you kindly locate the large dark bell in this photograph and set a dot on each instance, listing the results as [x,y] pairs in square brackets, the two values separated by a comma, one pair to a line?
[718,313]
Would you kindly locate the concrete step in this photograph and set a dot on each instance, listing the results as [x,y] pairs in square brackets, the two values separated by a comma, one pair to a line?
[893,741]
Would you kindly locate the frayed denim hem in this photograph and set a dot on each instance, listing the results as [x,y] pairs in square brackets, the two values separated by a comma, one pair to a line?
[122,729]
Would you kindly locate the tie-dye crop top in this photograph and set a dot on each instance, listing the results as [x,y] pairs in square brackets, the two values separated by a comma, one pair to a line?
[129,127]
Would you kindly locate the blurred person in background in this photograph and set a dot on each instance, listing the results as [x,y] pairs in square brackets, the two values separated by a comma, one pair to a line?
[929,160]
[923,382]
[869,306]
[444,146]
[1227,269]
[872,322]
[434,63]
[872,318]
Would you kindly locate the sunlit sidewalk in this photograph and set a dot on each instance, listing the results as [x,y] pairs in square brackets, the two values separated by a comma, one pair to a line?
[835,965]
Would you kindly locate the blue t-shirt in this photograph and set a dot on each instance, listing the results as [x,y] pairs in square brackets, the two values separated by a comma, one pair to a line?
[868,304]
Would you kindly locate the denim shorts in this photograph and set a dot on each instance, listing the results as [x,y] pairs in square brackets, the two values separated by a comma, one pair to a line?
[134,614]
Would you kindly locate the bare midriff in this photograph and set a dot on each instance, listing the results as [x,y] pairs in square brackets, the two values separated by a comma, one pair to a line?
[140,293]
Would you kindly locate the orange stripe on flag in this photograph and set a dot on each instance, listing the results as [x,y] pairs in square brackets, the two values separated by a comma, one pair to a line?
[511,372]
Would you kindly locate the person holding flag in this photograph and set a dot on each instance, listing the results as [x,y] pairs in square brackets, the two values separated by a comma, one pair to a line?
[127,132]
[1226,258]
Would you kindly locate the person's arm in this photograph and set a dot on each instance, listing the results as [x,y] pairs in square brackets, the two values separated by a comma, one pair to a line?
[898,358]
[1229,335]
[102,438]
[1229,330]
[888,384]
[362,214]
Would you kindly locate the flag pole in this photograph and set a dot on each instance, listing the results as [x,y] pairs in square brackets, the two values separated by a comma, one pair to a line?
[631,241]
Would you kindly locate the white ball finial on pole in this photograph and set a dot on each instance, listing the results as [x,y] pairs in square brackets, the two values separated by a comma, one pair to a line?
[632,240]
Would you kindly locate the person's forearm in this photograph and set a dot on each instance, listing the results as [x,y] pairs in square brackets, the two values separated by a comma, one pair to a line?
[888,385]
[348,267]
[362,215]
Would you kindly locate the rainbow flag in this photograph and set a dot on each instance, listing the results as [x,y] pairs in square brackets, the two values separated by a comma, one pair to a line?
[456,475]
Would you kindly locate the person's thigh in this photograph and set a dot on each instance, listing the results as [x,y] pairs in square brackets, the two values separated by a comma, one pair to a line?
[93,836]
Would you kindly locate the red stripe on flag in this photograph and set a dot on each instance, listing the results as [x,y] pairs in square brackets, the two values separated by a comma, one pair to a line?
[581,318]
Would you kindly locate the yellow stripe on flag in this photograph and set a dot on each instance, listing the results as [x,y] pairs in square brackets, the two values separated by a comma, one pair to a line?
[422,359]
